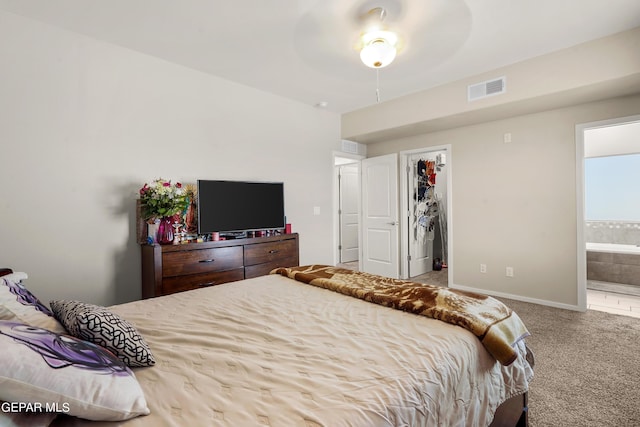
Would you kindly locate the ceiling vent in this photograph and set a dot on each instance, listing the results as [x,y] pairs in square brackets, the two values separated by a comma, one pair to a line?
[487,88]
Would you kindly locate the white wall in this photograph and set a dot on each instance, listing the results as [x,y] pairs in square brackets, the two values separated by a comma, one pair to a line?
[84,124]
[514,204]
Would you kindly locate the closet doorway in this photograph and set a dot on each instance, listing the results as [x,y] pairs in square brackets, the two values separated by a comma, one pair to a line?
[426,205]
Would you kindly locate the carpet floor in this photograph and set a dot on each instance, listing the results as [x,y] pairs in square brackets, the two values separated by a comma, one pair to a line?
[587,370]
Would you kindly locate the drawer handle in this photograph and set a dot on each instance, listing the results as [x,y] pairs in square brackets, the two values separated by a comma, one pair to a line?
[273,251]
[204,285]
[207,260]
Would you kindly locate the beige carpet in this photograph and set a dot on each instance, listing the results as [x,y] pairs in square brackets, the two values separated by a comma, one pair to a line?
[587,369]
[438,278]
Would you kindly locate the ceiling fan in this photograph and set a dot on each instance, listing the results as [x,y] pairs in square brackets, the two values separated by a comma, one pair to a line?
[337,38]
[379,43]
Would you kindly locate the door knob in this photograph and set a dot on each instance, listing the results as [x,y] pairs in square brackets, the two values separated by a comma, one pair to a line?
[393,223]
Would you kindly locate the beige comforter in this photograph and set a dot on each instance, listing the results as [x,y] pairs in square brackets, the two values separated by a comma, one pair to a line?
[271,351]
[497,326]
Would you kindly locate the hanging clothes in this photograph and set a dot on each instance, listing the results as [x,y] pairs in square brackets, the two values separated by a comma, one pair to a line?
[426,207]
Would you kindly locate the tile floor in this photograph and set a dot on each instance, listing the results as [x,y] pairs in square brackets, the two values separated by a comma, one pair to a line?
[611,302]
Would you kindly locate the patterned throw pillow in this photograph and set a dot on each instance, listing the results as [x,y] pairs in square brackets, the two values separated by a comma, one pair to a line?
[104,328]
[18,304]
[63,374]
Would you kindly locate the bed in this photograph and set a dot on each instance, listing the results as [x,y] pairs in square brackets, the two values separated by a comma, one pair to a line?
[276,351]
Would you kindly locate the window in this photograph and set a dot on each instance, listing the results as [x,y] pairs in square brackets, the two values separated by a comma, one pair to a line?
[612,188]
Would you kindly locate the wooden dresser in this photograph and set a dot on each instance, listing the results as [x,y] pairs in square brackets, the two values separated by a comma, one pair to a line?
[167,269]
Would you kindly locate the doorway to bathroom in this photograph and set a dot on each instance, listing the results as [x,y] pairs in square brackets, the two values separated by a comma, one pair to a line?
[609,253]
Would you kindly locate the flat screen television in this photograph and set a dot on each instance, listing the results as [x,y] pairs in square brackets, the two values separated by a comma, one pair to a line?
[236,206]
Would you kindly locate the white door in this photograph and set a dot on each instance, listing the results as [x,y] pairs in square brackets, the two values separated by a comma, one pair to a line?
[420,246]
[379,177]
[349,214]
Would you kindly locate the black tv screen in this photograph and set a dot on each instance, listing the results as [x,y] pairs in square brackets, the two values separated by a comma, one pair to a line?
[226,206]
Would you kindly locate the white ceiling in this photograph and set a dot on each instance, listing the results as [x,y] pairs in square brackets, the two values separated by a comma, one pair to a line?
[305,49]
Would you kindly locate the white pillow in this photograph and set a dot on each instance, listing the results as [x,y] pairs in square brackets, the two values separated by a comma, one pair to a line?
[13,416]
[77,377]
[18,304]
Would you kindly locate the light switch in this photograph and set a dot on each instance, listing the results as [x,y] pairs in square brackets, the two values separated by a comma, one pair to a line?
[316,210]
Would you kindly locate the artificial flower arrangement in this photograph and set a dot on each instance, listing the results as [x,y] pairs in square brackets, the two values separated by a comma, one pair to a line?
[162,199]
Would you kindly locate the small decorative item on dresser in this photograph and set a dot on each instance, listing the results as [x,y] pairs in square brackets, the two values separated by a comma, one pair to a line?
[152,231]
[162,200]
[191,217]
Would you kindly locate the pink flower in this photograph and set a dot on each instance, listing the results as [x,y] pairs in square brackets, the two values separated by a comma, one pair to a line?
[144,189]
[167,184]
[178,185]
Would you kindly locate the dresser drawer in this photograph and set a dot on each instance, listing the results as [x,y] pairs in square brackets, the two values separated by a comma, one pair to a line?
[263,269]
[175,284]
[174,268]
[263,253]
[201,261]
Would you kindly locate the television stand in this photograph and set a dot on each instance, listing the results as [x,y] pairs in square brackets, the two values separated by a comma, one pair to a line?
[167,269]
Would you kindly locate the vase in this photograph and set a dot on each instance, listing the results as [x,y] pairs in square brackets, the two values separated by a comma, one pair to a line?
[165,231]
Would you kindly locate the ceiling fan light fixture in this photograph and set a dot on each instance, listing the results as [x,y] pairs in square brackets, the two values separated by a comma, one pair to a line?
[379,48]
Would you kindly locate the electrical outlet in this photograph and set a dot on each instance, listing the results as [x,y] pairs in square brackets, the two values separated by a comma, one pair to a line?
[509,271]
[507,138]
[483,268]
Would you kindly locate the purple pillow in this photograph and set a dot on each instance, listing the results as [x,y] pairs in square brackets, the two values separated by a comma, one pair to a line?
[19,304]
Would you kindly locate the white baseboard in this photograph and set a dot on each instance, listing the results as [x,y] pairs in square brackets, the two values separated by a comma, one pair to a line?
[517,297]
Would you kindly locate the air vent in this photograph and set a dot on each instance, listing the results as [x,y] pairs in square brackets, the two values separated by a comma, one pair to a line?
[349,146]
[487,88]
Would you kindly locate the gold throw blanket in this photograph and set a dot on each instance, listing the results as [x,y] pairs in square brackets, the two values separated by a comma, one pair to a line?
[497,326]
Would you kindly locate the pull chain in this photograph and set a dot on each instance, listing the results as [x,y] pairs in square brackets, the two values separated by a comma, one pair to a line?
[377,84]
